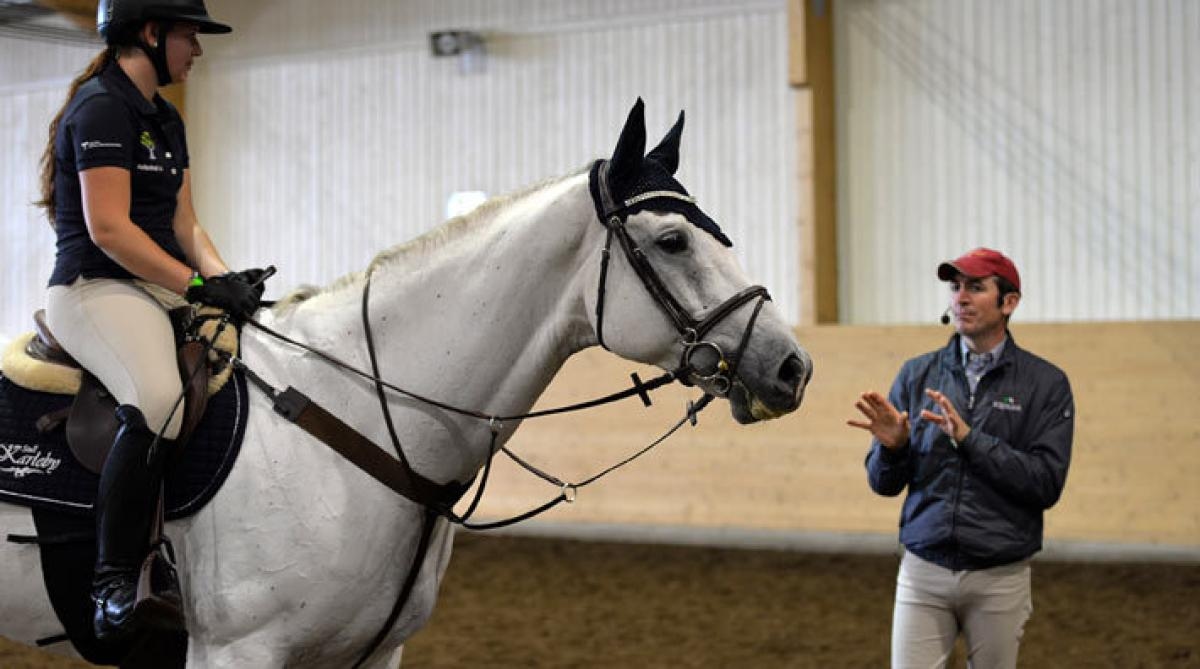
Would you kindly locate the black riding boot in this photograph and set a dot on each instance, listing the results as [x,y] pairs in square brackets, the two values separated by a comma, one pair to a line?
[126,508]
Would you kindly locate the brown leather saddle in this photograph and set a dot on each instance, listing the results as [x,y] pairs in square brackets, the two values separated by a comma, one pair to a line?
[91,420]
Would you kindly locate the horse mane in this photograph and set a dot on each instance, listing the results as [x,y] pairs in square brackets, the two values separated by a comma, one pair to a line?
[432,240]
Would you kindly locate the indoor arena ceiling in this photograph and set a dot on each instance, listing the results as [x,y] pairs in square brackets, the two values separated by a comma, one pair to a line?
[49,20]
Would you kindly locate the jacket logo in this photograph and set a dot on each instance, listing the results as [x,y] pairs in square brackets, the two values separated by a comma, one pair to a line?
[1006,403]
[148,142]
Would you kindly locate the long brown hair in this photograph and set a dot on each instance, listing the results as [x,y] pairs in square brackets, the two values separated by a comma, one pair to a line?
[47,163]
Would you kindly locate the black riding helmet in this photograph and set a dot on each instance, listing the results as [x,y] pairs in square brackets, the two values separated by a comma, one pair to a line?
[118,22]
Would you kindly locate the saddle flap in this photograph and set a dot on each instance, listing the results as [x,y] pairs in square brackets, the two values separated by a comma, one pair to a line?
[92,425]
[194,370]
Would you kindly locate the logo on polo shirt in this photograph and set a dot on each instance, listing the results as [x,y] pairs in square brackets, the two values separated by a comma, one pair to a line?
[99,145]
[148,142]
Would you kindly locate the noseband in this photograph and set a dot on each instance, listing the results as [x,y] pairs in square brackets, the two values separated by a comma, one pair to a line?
[692,331]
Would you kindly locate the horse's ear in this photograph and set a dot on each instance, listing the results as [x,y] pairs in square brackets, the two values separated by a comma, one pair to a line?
[667,151]
[627,157]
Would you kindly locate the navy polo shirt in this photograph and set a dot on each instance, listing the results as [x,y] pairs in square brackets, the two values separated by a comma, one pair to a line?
[109,123]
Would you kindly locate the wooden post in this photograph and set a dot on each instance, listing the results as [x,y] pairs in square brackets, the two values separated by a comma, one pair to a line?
[811,73]
[176,94]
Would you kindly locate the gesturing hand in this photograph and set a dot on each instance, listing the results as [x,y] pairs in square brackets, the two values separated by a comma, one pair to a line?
[884,423]
[949,420]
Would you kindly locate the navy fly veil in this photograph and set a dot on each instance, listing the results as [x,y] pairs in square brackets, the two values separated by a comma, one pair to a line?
[648,184]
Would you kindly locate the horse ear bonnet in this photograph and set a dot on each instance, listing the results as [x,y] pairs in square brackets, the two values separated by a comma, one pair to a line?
[632,175]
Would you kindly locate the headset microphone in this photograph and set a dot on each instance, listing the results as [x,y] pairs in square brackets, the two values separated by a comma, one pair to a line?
[946,316]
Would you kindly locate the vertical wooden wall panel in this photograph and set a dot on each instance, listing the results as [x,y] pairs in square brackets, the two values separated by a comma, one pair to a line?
[33,86]
[819,57]
[810,47]
[317,144]
[323,132]
[26,239]
[1064,133]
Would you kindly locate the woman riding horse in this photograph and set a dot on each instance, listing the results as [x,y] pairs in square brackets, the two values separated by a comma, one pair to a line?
[116,188]
[302,558]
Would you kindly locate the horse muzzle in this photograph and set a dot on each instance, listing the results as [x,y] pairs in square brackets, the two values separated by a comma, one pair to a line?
[768,397]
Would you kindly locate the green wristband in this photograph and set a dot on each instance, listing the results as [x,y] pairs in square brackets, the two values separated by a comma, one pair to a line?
[196,280]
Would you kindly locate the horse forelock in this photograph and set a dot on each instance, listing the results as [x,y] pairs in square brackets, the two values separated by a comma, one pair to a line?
[409,251]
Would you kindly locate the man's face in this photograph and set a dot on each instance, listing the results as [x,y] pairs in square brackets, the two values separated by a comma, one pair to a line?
[975,303]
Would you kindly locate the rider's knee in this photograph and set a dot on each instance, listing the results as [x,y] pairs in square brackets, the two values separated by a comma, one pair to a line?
[159,406]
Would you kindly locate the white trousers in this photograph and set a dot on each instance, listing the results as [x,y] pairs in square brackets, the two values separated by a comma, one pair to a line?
[124,337]
[933,604]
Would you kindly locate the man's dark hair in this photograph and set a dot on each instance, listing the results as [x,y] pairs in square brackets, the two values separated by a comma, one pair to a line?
[1005,287]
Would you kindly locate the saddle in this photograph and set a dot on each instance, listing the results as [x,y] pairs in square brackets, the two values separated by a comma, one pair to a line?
[40,363]
[55,472]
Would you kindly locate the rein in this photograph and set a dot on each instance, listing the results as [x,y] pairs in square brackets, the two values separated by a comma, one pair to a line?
[639,387]
[395,472]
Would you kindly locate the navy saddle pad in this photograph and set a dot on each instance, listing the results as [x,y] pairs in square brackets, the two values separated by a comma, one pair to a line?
[38,470]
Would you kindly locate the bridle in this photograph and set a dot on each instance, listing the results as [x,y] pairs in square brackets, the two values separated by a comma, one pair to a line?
[692,331]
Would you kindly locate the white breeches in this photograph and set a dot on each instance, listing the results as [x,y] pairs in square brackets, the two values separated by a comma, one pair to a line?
[123,336]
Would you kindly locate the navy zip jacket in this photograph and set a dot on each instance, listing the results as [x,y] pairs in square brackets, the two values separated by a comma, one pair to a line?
[979,504]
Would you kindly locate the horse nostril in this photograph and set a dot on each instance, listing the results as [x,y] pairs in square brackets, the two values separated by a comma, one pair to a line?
[793,372]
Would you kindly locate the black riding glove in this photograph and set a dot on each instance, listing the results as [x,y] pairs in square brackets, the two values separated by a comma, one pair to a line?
[229,292]
[257,278]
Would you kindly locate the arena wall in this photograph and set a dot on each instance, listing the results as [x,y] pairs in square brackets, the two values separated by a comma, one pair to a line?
[964,123]
[799,481]
[322,132]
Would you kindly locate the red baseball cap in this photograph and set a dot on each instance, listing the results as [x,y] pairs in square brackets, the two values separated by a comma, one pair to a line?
[980,263]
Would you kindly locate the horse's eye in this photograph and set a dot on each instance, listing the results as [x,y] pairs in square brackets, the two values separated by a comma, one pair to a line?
[673,242]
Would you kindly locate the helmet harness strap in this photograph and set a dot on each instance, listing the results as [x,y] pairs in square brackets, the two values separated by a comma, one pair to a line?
[158,52]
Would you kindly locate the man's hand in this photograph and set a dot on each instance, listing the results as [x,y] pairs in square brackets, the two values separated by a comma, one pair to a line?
[884,423]
[949,420]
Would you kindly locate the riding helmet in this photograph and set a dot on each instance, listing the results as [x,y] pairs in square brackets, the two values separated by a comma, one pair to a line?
[117,20]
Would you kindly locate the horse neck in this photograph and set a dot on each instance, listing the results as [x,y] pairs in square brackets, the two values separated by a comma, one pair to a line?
[484,318]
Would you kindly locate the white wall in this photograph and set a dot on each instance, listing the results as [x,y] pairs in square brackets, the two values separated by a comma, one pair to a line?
[323,132]
[33,85]
[1066,133]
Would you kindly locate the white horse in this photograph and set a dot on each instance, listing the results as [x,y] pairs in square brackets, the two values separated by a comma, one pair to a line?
[299,558]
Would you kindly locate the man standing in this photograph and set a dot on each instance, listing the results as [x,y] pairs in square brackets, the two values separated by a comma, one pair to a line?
[986,454]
